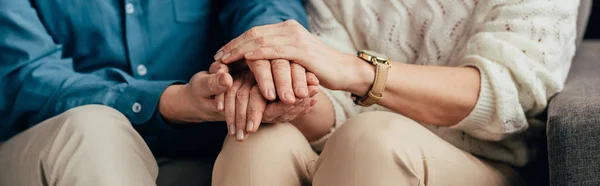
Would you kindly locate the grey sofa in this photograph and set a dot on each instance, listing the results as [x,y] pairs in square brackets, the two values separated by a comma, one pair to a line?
[573,128]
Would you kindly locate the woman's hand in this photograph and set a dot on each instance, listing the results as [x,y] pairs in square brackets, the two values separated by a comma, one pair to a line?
[245,107]
[289,40]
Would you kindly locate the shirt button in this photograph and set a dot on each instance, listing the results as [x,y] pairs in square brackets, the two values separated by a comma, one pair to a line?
[129,9]
[142,70]
[137,107]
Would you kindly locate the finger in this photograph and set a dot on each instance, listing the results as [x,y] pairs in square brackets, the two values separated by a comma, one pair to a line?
[262,73]
[217,67]
[313,90]
[255,32]
[294,112]
[299,80]
[220,102]
[241,106]
[274,110]
[283,80]
[252,45]
[313,102]
[230,104]
[212,84]
[291,53]
[256,108]
[311,79]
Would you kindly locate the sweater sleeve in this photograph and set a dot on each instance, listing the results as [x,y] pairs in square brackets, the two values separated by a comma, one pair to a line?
[523,51]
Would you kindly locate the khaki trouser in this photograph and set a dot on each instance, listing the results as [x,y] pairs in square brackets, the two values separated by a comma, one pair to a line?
[89,145]
[374,149]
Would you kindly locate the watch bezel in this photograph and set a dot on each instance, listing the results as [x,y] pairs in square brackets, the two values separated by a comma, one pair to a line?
[373,57]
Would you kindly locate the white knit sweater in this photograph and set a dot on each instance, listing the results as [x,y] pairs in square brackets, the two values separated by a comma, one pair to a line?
[522,48]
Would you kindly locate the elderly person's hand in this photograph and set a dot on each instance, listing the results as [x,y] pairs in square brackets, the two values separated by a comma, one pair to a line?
[290,40]
[245,107]
[280,79]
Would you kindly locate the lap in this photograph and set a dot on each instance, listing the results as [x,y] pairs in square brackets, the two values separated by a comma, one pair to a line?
[388,145]
[32,155]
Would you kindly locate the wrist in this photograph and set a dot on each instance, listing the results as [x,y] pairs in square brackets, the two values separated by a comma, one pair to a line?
[363,76]
[175,109]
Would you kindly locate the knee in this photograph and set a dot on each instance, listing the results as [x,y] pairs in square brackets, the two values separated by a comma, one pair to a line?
[378,131]
[94,119]
[283,138]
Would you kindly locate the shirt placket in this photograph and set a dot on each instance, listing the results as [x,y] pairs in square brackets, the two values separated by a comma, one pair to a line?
[136,38]
[136,42]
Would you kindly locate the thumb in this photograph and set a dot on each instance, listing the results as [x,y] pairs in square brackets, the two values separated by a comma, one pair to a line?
[217,67]
[213,84]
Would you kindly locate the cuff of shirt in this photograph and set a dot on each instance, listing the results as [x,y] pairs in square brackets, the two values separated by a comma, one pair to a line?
[484,109]
[139,102]
[265,15]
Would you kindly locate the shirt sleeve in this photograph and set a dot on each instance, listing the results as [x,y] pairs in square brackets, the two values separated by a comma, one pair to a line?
[36,83]
[240,15]
[523,51]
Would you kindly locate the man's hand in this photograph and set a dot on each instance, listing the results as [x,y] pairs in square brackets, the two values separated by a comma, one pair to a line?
[194,102]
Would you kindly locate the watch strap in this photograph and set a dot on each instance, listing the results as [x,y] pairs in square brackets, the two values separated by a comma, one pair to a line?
[376,92]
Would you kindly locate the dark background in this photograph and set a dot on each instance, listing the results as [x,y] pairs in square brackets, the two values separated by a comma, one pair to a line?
[593,30]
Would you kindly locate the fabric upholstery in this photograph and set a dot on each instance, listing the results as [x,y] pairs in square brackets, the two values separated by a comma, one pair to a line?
[574,123]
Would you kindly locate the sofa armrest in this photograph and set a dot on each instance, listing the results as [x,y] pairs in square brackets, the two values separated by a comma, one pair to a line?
[574,122]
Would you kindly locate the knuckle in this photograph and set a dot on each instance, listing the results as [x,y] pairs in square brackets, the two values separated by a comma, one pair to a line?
[261,41]
[231,93]
[252,33]
[280,51]
[298,68]
[235,51]
[261,64]
[280,65]
[227,47]
[241,96]
[291,22]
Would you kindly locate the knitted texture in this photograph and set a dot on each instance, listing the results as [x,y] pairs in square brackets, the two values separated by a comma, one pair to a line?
[522,49]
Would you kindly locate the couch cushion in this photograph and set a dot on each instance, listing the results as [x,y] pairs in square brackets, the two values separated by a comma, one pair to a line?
[574,122]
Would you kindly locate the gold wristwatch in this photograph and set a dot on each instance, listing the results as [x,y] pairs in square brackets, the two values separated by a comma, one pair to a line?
[382,67]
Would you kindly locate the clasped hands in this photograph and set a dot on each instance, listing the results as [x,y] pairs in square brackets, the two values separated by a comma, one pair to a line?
[272,89]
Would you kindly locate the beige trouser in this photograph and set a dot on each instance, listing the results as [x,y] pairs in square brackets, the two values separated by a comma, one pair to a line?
[371,149]
[89,145]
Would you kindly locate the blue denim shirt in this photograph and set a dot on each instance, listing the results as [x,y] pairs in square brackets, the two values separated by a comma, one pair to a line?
[59,54]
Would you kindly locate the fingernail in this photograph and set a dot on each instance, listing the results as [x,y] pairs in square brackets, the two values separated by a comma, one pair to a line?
[288,96]
[220,105]
[303,90]
[313,102]
[226,56]
[271,94]
[231,129]
[222,80]
[249,54]
[218,55]
[249,126]
[240,134]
